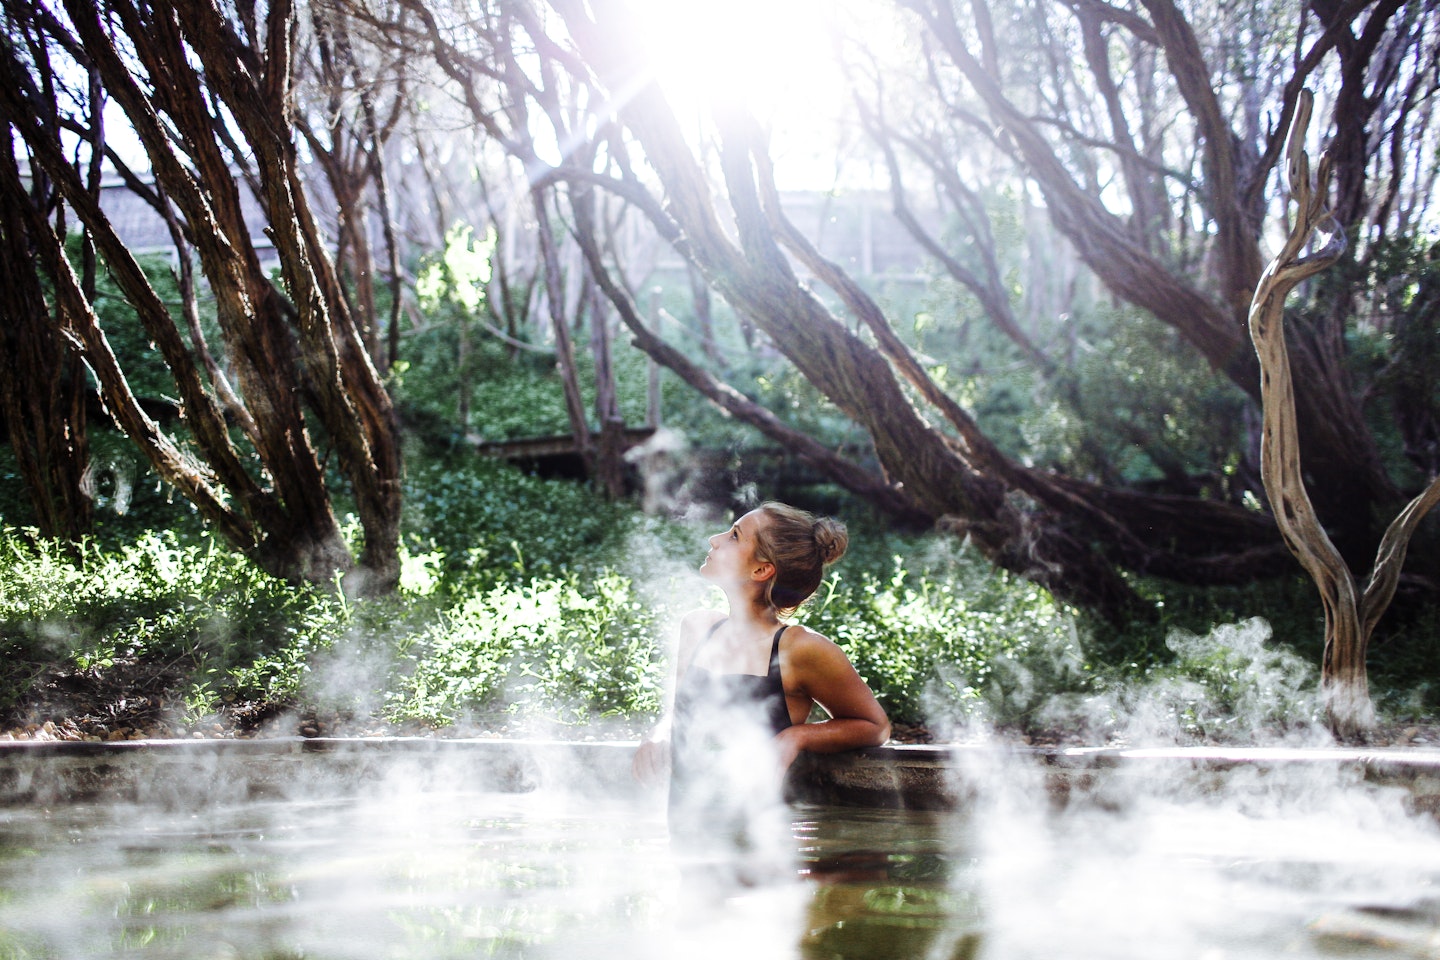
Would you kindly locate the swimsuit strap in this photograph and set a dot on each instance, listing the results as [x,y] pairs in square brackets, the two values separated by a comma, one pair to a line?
[775,650]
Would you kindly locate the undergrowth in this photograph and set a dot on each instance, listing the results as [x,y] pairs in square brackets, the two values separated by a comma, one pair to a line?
[527,603]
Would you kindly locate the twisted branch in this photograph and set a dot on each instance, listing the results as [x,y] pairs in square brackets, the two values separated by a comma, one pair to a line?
[1349,621]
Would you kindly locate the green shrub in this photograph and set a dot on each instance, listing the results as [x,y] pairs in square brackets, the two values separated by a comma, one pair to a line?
[527,601]
[486,522]
[1230,684]
[952,647]
[201,608]
[552,648]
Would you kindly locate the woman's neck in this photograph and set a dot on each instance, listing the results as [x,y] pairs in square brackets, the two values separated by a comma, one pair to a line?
[749,610]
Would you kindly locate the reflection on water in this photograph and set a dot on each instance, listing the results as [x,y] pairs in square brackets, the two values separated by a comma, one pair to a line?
[534,875]
[886,885]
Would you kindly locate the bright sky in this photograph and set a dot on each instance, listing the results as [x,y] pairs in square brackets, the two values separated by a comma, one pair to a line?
[767,52]
[774,56]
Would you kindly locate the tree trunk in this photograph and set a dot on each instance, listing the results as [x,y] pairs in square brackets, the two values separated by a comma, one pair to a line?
[845,473]
[609,469]
[288,524]
[610,455]
[560,329]
[1064,533]
[1349,479]
[42,383]
[1350,618]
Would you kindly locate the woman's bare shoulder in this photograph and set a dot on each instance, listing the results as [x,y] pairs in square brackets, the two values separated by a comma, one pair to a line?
[696,624]
[819,668]
[802,643]
[700,619]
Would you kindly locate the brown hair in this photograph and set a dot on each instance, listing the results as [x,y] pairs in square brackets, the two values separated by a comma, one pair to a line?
[800,545]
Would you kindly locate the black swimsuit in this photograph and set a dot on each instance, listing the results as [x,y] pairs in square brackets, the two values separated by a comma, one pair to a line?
[711,715]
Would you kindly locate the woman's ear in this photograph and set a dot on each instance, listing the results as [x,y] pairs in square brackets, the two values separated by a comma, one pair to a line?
[763,571]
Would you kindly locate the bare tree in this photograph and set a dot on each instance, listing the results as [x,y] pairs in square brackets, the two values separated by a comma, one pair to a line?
[347,140]
[1181,151]
[208,92]
[42,381]
[1350,616]
[502,68]
[1072,534]
[1040,524]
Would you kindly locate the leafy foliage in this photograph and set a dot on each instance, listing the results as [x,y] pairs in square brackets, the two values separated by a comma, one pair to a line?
[199,608]
[485,521]
[1395,353]
[532,601]
[514,391]
[958,645]
[1228,684]
[552,648]
[573,627]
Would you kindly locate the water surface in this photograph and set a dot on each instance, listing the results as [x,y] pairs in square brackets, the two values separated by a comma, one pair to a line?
[478,874]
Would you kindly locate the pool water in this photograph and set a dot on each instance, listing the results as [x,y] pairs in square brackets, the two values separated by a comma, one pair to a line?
[478,874]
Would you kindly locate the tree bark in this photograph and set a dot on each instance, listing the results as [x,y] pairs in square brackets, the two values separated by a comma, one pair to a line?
[286,522]
[847,474]
[560,329]
[42,382]
[1064,533]
[1350,617]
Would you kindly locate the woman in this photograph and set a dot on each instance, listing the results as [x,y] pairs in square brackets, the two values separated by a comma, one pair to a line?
[746,681]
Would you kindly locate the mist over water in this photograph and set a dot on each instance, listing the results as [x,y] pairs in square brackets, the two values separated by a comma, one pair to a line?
[1151,860]
[432,876]
[1164,860]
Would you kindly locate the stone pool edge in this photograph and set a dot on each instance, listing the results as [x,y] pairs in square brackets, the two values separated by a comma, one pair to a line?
[904,776]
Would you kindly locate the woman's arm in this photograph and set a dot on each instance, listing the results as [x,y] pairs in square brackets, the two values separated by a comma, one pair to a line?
[820,670]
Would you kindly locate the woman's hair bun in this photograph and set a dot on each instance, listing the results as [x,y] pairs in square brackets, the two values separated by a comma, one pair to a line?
[831,538]
[800,545]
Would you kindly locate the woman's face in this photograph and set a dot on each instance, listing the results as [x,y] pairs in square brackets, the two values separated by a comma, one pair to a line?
[732,552]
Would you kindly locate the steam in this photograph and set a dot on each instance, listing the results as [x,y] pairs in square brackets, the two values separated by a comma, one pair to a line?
[1248,691]
[1153,858]
[674,481]
[122,486]
[1158,858]
[666,471]
[1231,685]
